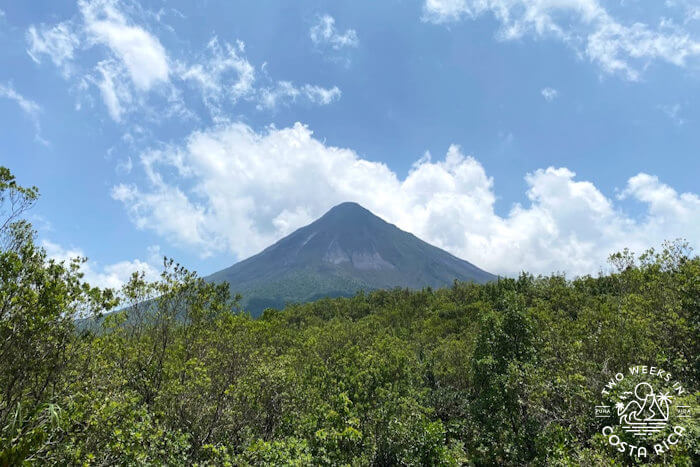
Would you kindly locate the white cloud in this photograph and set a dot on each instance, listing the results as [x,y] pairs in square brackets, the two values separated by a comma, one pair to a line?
[124,166]
[132,61]
[28,106]
[690,9]
[285,92]
[444,11]
[549,94]
[225,74]
[177,217]
[232,189]
[115,93]
[324,33]
[665,204]
[110,275]
[58,43]
[138,50]
[322,96]
[132,64]
[674,113]
[584,24]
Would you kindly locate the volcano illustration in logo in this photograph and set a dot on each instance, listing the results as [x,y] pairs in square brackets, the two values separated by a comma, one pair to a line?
[646,414]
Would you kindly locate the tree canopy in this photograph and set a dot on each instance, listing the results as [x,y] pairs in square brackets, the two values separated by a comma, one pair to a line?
[507,372]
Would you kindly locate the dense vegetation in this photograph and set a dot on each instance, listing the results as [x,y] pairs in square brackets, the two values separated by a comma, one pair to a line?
[503,373]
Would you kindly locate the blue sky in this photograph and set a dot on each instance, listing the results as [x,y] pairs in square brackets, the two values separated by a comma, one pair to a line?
[517,135]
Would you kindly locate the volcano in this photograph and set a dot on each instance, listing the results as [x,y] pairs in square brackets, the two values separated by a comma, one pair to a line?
[346,250]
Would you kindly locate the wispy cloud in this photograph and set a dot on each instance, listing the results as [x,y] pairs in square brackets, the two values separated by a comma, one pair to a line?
[282,92]
[320,95]
[124,166]
[223,74]
[29,107]
[115,94]
[585,25]
[549,94]
[131,65]
[57,43]
[285,92]
[674,113]
[139,51]
[325,33]
[131,60]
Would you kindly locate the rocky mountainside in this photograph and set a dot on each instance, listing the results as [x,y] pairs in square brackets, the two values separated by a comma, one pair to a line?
[346,250]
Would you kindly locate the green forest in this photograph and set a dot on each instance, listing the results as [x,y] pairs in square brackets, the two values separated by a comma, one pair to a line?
[174,372]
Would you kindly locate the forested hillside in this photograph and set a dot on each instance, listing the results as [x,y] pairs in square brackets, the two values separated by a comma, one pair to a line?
[507,372]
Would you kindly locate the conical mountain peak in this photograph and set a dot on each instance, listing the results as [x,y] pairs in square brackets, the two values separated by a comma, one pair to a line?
[347,207]
[346,250]
[348,213]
